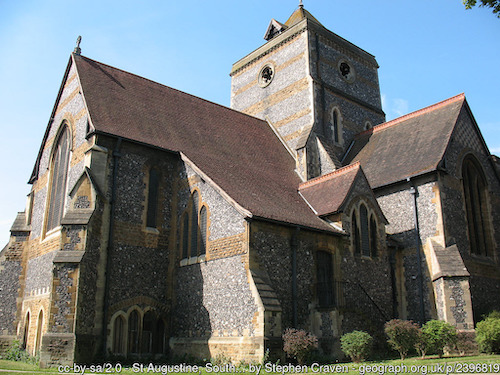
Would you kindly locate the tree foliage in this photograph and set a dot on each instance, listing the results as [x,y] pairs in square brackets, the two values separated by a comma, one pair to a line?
[495,4]
[357,345]
[488,333]
[402,335]
[298,344]
[436,335]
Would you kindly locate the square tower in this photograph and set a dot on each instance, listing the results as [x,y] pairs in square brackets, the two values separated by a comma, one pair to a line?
[315,88]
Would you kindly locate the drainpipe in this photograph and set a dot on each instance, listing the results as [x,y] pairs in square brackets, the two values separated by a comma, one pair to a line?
[420,284]
[294,245]
[116,157]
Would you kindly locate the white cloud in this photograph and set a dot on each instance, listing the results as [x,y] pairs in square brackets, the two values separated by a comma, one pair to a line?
[394,107]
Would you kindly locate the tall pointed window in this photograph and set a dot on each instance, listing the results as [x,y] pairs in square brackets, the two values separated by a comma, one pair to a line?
[194,229]
[153,187]
[355,234]
[475,195]
[60,161]
[194,225]
[39,326]
[118,336]
[373,237]
[203,230]
[365,236]
[133,332]
[26,331]
[185,236]
[324,275]
[335,126]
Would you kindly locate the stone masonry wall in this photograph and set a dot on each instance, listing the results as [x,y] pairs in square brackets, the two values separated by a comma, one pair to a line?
[397,205]
[485,271]
[287,99]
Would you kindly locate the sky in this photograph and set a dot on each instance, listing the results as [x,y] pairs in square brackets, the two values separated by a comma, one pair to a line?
[428,51]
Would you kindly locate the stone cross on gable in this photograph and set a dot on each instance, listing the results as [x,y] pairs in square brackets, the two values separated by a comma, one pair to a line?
[78,50]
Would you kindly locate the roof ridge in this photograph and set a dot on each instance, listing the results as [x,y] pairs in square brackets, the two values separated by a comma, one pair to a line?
[329,176]
[169,87]
[414,114]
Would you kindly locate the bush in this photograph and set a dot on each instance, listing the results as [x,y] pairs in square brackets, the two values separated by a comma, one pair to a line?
[466,343]
[402,335]
[357,345]
[488,333]
[298,344]
[17,353]
[436,335]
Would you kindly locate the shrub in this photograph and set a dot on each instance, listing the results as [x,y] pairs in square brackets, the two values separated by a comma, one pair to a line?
[17,353]
[357,345]
[436,335]
[488,333]
[402,335]
[298,344]
[466,343]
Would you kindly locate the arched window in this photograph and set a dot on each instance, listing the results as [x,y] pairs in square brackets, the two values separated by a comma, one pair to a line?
[185,236]
[158,344]
[365,236]
[60,161]
[148,331]
[203,230]
[119,336]
[26,330]
[133,332]
[475,195]
[324,276]
[194,224]
[373,237]
[335,126]
[153,187]
[39,326]
[355,234]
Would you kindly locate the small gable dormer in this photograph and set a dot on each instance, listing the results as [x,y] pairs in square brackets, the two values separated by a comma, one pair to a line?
[275,28]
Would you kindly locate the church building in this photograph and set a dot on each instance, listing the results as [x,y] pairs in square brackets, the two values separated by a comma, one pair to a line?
[159,223]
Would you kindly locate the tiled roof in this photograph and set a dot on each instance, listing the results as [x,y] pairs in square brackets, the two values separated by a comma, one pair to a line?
[238,152]
[411,145]
[327,193]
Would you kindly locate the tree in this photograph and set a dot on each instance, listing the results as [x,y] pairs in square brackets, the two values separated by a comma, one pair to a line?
[495,4]
[402,335]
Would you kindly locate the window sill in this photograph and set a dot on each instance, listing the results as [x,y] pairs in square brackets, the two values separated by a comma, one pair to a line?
[53,233]
[151,230]
[192,260]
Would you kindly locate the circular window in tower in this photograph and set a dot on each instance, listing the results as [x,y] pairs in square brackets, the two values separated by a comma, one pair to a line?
[266,75]
[346,71]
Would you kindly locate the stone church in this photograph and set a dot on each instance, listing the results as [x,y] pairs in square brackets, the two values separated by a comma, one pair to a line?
[159,223]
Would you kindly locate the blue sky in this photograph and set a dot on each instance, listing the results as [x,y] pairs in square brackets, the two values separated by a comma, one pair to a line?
[428,50]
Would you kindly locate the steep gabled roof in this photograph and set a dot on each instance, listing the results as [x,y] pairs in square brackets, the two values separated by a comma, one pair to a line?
[327,194]
[239,153]
[408,146]
[299,15]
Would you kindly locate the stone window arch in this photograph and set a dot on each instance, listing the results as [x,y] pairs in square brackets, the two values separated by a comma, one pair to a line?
[58,178]
[185,236]
[194,223]
[476,206]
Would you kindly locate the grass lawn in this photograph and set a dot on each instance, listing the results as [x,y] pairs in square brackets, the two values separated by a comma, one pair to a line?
[483,364]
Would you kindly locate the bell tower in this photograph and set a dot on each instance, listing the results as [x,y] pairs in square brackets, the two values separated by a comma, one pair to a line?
[316,89]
